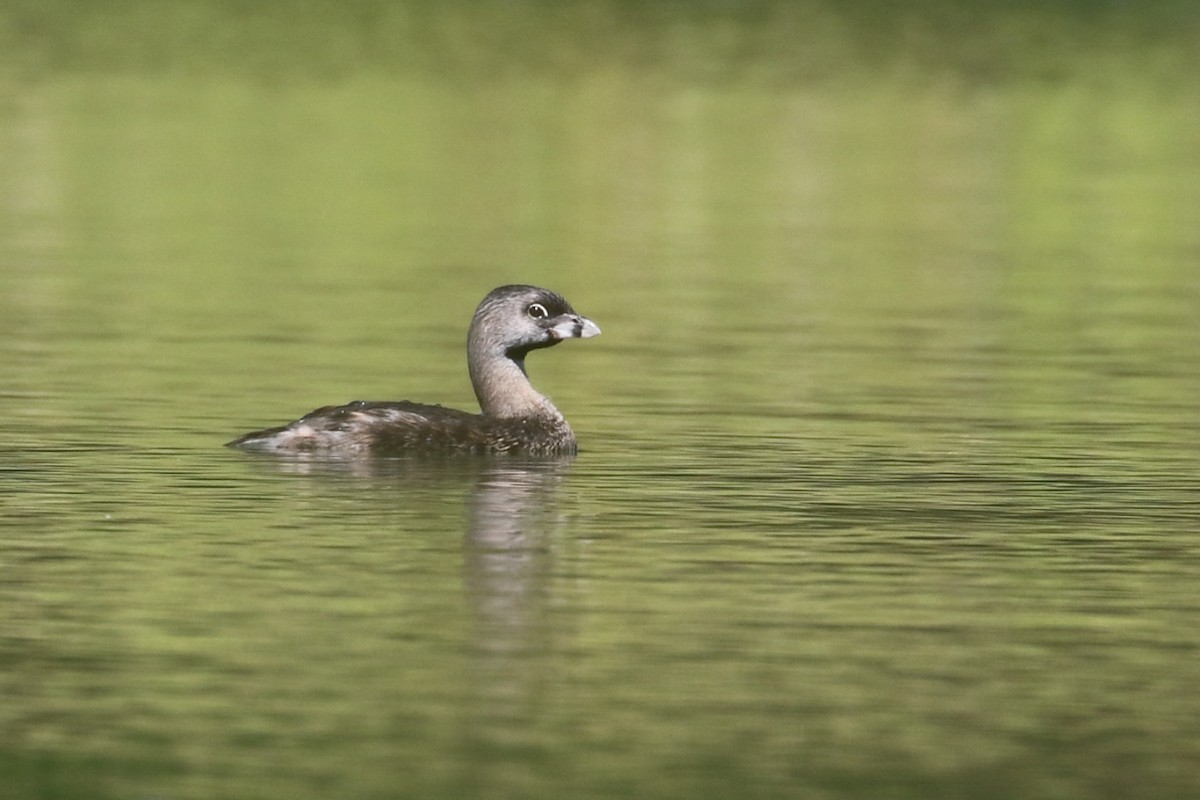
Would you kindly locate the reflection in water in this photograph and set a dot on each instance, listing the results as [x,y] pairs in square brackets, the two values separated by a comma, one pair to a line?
[513,522]
[511,544]
[512,517]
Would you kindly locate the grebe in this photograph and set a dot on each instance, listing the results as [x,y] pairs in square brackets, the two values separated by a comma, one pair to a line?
[509,322]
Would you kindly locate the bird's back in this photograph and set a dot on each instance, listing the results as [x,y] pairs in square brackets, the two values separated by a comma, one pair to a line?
[385,428]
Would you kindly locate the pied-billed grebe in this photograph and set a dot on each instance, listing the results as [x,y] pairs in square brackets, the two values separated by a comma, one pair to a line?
[516,418]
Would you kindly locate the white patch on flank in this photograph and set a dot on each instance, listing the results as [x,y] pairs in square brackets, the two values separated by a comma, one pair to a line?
[297,432]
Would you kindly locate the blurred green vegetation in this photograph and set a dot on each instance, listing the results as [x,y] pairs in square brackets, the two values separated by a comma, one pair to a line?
[759,40]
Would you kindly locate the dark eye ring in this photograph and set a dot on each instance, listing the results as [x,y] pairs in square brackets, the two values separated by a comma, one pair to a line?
[538,311]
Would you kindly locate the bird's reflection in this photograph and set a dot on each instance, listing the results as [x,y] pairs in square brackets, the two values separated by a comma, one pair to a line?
[512,522]
[514,536]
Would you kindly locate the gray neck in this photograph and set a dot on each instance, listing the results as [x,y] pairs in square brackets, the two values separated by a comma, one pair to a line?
[503,388]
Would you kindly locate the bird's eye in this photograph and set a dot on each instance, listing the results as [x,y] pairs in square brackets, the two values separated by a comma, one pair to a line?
[538,311]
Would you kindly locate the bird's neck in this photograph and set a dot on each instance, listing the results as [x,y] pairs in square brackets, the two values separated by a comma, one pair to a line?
[504,390]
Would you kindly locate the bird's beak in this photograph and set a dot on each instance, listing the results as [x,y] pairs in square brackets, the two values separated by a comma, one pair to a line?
[576,327]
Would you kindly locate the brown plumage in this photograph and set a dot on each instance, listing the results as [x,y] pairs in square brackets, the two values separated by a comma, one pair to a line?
[516,418]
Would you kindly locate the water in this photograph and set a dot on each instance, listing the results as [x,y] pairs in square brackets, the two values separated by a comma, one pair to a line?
[888,483]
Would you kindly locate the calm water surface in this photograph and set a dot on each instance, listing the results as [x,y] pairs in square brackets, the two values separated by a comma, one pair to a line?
[890,482]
